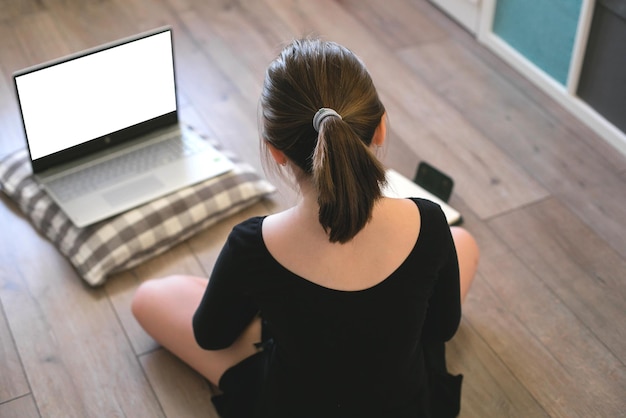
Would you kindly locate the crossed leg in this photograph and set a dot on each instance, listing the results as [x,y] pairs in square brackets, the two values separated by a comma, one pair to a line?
[165,308]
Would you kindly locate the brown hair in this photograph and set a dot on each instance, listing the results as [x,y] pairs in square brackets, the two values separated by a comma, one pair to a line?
[310,74]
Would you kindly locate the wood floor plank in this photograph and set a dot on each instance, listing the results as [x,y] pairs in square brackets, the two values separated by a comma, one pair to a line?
[545,344]
[13,381]
[142,15]
[180,6]
[11,60]
[252,29]
[224,44]
[23,407]
[511,334]
[75,354]
[90,24]
[12,137]
[178,260]
[489,388]
[540,339]
[397,25]
[181,391]
[513,122]
[39,39]
[209,80]
[575,263]
[13,9]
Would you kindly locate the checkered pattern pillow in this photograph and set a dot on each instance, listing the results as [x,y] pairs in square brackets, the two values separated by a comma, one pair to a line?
[128,239]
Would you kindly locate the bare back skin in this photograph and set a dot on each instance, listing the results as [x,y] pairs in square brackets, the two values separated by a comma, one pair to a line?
[299,243]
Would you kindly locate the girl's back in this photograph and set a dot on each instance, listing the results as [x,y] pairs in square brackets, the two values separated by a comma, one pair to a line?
[339,351]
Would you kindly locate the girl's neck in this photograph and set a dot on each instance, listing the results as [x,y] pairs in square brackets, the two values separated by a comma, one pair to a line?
[307,207]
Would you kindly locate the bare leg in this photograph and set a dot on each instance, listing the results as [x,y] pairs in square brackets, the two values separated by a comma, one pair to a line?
[165,307]
[468,254]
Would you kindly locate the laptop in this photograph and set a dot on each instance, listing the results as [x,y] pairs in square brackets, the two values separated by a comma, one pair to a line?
[103,132]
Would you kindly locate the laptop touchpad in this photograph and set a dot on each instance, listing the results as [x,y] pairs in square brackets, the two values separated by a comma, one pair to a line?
[133,191]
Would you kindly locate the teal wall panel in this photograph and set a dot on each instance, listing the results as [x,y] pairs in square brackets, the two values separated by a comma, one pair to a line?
[543,31]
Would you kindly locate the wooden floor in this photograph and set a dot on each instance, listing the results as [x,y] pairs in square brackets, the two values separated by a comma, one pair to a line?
[544,328]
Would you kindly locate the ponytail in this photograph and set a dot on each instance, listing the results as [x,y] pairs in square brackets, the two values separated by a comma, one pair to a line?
[310,76]
[348,178]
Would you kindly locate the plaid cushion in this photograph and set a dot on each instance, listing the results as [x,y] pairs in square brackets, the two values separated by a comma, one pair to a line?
[126,240]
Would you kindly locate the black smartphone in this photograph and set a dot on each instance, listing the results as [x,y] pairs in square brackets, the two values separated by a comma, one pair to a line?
[434,181]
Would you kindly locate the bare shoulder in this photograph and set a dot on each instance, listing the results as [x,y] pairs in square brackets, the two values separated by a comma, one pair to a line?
[398,218]
[405,206]
[277,223]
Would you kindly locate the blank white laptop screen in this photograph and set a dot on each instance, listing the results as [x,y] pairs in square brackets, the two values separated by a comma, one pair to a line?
[94,95]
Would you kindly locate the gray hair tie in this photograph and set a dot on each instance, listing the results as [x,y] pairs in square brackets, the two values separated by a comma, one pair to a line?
[322,114]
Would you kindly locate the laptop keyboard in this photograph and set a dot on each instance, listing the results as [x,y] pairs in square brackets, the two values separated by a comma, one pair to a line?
[110,172]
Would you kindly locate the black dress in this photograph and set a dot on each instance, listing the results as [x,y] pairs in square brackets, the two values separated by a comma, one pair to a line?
[376,352]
